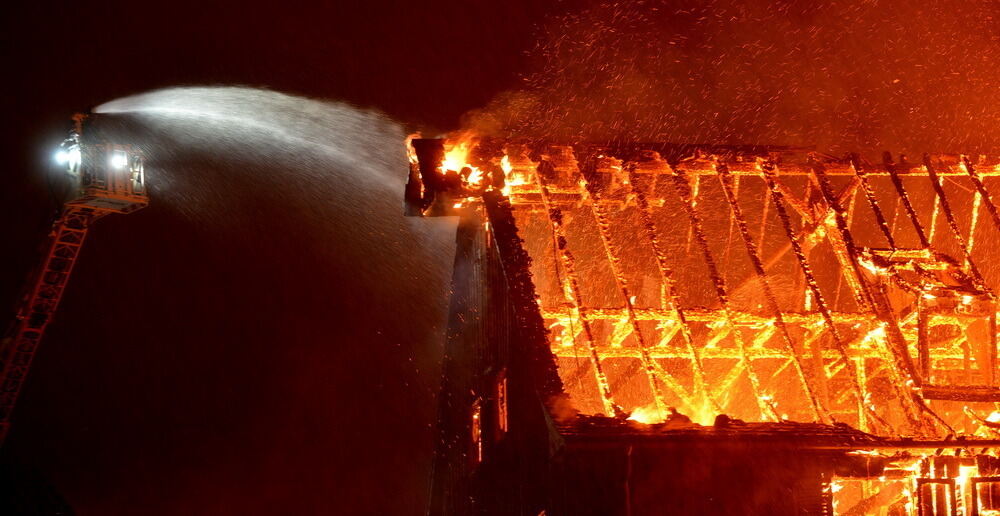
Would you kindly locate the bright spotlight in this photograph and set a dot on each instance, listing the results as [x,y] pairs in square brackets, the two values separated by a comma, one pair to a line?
[74,157]
[62,157]
[119,160]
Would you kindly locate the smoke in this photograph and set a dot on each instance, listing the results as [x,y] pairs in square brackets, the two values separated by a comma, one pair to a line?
[841,75]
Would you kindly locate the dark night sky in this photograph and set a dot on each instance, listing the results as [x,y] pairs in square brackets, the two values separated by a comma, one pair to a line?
[181,376]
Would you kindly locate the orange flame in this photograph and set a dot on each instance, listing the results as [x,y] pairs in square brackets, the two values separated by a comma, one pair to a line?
[512,177]
[648,415]
[456,157]
[411,153]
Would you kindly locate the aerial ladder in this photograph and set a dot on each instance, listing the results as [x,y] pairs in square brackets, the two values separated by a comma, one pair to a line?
[105,178]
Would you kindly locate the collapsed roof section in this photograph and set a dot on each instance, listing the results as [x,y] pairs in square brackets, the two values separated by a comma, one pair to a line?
[766,283]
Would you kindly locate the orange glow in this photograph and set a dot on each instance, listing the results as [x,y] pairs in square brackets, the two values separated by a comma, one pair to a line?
[736,360]
[512,177]
[411,153]
[477,430]
[476,177]
[505,165]
[854,331]
[964,474]
[456,158]
[456,155]
[507,168]
[648,415]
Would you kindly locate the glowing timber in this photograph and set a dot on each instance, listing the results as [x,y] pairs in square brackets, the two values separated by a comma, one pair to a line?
[867,334]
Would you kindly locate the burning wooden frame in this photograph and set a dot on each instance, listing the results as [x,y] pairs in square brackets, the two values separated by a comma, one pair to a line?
[682,284]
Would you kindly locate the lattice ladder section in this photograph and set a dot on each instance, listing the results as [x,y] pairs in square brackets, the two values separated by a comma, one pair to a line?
[38,307]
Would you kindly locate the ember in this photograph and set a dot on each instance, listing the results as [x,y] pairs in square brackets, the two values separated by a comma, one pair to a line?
[857,303]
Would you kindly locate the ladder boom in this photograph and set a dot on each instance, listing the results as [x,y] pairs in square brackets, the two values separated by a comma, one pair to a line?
[39,305]
[107,178]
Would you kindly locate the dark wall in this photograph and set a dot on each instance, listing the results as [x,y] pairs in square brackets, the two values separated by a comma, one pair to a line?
[691,479]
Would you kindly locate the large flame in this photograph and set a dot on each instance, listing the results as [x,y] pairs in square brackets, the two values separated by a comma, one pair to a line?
[456,158]
[457,152]
[456,155]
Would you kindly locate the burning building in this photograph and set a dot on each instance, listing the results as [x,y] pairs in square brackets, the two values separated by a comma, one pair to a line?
[681,329]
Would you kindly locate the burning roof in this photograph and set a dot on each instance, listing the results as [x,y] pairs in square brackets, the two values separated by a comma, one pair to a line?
[765,283]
